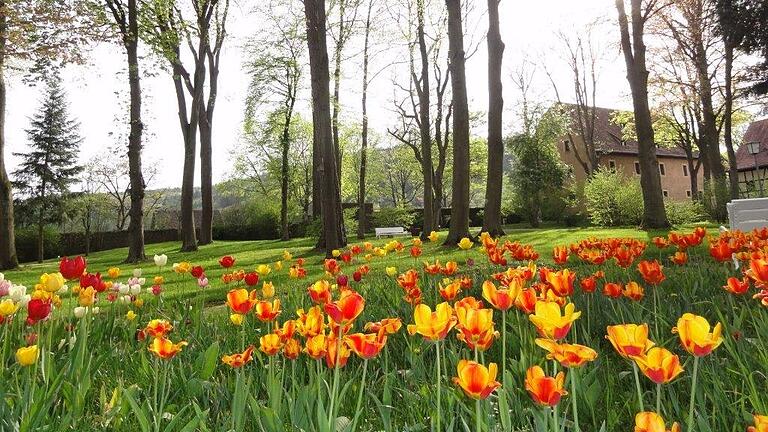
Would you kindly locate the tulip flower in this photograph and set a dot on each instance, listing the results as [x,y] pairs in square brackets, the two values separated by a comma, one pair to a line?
[588,284]
[227,261]
[391,271]
[544,390]
[267,311]
[721,251]
[311,323]
[758,272]
[197,272]
[549,321]
[560,255]
[561,282]
[92,280]
[695,335]
[348,307]
[449,289]
[165,349]
[287,330]
[434,236]
[72,269]
[465,243]
[651,271]
[113,272]
[270,344]
[567,355]
[612,290]
[679,258]
[365,346]
[477,381]
[27,356]
[182,267]
[8,307]
[659,365]
[316,346]
[633,290]
[501,299]
[130,315]
[475,325]
[158,328]
[161,260]
[241,301]
[267,290]
[87,297]
[51,282]
[38,310]
[761,424]
[320,292]
[238,359]
[291,349]
[629,340]
[387,326]
[435,325]
[652,422]
[236,319]
[336,359]
[737,286]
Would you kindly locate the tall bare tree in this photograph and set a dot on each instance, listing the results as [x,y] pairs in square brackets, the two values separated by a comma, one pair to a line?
[333,235]
[362,214]
[634,49]
[492,213]
[459,226]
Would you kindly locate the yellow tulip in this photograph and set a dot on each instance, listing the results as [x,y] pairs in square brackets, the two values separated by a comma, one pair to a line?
[550,323]
[695,335]
[391,271]
[130,315]
[278,265]
[86,297]
[465,243]
[263,269]
[287,256]
[51,282]
[8,307]
[336,253]
[237,319]
[113,272]
[268,290]
[434,236]
[27,356]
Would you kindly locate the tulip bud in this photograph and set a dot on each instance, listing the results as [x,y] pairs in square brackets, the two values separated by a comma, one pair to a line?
[357,276]
[31,338]
[137,272]
[79,312]
[342,280]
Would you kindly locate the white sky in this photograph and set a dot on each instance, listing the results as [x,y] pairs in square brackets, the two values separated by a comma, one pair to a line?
[528,30]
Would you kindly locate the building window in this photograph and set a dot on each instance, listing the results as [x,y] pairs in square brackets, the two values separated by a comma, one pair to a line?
[688,193]
[637,168]
[662,171]
[665,193]
[685,172]
[567,145]
[612,165]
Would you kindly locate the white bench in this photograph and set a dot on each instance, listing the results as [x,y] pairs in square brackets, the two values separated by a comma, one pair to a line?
[390,232]
[748,214]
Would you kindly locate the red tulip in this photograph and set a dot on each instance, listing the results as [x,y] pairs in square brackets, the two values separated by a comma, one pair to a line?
[38,310]
[92,280]
[72,268]
[227,261]
[357,276]
[251,279]
[197,272]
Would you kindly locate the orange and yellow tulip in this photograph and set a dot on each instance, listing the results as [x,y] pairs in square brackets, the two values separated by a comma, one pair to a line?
[659,365]
[386,326]
[758,271]
[320,292]
[679,258]
[544,390]
[568,355]
[651,271]
[561,282]
[366,346]
[761,424]
[550,322]
[633,291]
[310,323]
[316,346]
[291,349]
[331,356]
[695,335]
[474,325]
[270,344]
[501,299]
[165,349]
[267,311]
[629,340]
[450,268]
[477,381]
[432,325]
[652,422]
[737,286]
[158,328]
[238,359]
[347,308]
[449,289]
[241,301]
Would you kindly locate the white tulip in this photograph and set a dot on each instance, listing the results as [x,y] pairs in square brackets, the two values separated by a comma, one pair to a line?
[17,292]
[79,312]
[123,289]
[136,289]
[24,300]
[2,277]
[142,281]
[125,299]
[137,272]
[62,290]
[161,260]
[96,310]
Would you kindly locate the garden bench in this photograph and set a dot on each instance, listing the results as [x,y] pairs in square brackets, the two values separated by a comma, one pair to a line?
[748,214]
[390,231]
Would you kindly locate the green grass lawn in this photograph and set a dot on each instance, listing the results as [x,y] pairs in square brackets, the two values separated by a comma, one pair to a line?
[250,254]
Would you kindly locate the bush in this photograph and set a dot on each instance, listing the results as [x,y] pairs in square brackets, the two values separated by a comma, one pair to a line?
[26,243]
[685,212]
[393,217]
[614,199]
[252,220]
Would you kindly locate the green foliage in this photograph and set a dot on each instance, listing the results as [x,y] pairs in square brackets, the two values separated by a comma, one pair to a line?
[537,172]
[393,217]
[685,212]
[613,199]
[253,220]
[27,238]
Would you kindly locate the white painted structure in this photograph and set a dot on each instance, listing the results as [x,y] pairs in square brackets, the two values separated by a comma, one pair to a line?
[390,232]
[748,214]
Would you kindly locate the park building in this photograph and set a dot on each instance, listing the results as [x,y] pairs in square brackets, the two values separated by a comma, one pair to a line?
[616,153]
[752,160]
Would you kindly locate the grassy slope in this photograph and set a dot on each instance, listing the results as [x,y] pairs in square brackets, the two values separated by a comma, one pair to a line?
[249,254]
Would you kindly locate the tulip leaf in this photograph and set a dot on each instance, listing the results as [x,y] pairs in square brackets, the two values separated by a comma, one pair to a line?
[141,416]
[207,362]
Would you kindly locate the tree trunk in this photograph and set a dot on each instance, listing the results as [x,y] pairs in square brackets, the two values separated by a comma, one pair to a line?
[206,179]
[136,225]
[423,89]
[733,174]
[40,241]
[285,146]
[493,186]
[654,213]
[459,227]
[8,258]
[333,237]
[362,215]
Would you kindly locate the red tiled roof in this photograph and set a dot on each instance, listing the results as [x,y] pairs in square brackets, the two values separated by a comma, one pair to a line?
[757,131]
[608,135]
